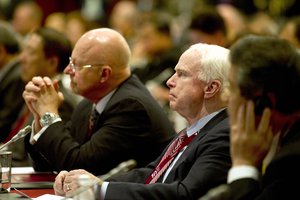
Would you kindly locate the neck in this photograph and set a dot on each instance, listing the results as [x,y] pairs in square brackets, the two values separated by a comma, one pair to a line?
[114,82]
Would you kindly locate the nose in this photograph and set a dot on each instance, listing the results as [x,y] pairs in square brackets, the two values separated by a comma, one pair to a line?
[68,70]
[170,82]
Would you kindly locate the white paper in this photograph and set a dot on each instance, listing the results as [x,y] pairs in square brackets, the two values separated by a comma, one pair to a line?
[22,170]
[51,197]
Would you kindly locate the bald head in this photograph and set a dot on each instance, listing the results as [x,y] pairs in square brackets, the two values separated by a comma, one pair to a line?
[104,46]
[109,52]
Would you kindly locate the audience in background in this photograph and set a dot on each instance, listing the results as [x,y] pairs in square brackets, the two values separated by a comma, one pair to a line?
[156,60]
[57,21]
[235,22]
[264,119]
[207,26]
[291,31]
[11,87]
[262,23]
[118,119]
[198,92]
[27,17]
[76,26]
[45,52]
[124,18]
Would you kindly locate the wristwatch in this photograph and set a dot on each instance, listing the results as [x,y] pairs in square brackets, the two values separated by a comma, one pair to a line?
[48,118]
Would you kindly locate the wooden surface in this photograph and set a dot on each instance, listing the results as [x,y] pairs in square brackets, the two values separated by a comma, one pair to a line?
[32,184]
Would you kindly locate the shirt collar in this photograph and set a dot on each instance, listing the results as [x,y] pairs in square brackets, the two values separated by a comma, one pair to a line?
[103,102]
[201,123]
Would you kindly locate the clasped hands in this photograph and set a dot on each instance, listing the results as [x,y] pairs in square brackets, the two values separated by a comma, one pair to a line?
[42,95]
[66,183]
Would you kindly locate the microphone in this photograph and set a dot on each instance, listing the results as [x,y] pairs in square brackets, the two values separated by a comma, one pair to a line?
[122,167]
[18,136]
[86,183]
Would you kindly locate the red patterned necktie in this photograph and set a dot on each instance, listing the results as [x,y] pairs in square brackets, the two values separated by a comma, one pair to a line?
[179,143]
[92,121]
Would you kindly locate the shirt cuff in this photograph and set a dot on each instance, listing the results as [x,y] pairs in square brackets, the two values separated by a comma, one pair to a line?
[243,171]
[35,136]
[103,189]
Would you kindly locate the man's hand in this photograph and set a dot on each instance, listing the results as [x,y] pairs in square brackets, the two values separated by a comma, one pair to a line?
[48,98]
[249,144]
[59,184]
[66,183]
[41,95]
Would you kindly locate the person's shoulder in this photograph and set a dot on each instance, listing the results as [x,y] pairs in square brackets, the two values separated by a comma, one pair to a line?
[134,88]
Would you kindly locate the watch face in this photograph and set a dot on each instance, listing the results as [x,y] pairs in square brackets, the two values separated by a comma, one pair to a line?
[47,118]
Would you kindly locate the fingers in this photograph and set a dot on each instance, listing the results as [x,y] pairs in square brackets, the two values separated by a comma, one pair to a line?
[70,183]
[264,128]
[250,118]
[240,119]
[58,184]
[31,87]
[47,81]
[56,85]
[265,121]
[29,97]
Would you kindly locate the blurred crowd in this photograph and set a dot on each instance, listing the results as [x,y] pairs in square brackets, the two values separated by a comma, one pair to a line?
[158,32]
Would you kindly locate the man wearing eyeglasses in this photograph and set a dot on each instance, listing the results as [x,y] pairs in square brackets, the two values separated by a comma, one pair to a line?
[130,124]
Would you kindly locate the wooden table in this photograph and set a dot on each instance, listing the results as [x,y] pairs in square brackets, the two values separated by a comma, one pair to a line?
[31,183]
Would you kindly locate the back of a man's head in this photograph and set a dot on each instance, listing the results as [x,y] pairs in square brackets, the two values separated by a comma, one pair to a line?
[268,72]
[208,20]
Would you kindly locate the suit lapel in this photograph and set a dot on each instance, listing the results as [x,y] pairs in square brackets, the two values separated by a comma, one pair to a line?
[190,150]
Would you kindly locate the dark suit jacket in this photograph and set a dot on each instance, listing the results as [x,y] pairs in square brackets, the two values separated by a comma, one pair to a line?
[11,101]
[281,180]
[132,126]
[202,165]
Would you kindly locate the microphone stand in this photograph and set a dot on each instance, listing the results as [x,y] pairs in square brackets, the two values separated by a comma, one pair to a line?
[22,133]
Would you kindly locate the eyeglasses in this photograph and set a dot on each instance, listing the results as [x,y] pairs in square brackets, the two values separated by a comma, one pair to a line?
[74,67]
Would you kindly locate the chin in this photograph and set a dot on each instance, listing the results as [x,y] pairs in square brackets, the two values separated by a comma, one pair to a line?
[172,105]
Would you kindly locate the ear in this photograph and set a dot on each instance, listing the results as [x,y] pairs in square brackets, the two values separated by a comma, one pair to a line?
[211,89]
[105,73]
[53,63]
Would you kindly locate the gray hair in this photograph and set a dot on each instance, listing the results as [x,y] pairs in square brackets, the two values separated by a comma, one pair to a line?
[214,62]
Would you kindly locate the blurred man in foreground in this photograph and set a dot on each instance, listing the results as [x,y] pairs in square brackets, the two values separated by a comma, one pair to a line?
[265,121]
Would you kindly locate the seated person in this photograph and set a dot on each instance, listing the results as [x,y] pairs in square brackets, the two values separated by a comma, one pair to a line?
[184,170]
[265,120]
[118,120]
